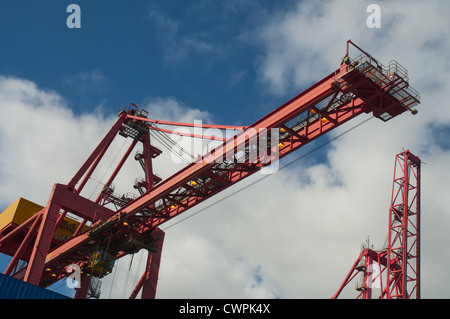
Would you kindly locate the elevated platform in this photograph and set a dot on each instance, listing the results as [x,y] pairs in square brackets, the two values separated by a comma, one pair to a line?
[387,91]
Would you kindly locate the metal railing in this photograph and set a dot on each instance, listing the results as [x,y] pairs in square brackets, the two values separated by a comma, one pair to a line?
[393,78]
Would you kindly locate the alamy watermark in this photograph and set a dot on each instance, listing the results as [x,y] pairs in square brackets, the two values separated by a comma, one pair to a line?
[73,280]
[374,276]
[374,19]
[74,19]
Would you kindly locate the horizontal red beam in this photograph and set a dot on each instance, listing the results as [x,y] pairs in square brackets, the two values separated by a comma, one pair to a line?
[220,127]
[188,134]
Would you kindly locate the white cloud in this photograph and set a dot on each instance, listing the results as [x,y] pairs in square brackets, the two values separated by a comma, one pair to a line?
[303,45]
[42,141]
[169,109]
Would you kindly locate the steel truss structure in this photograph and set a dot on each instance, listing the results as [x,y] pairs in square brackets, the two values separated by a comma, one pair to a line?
[114,226]
[399,262]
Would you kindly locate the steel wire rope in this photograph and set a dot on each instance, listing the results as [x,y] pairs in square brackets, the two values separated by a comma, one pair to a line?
[62,281]
[136,272]
[267,176]
[138,268]
[135,276]
[160,139]
[114,277]
[100,182]
[171,142]
[105,252]
[181,150]
[102,257]
[127,276]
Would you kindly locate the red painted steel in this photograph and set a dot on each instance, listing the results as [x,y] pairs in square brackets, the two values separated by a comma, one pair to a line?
[400,260]
[221,127]
[188,134]
[404,229]
[149,279]
[119,225]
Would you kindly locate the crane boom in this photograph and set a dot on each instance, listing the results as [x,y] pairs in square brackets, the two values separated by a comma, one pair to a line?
[360,85]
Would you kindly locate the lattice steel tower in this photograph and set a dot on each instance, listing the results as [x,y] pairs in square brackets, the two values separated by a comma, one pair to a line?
[399,261]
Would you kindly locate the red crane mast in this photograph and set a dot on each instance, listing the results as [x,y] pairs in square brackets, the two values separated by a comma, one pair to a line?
[399,262]
[113,226]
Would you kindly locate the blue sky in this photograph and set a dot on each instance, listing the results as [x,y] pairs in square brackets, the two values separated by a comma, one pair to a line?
[199,52]
[294,235]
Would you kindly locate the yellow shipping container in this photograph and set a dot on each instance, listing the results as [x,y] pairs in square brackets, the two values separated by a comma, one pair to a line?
[18,212]
[22,209]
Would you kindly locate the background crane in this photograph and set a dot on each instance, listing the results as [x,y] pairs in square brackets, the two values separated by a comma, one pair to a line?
[399,261]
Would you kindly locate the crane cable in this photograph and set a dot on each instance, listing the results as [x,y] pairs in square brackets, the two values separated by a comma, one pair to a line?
[170,143]
[106,171]
[127,276]
[161,139]
[266,176]
[114,277]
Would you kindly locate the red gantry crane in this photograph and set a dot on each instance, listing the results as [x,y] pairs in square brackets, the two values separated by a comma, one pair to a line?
[399,262]
[113,226]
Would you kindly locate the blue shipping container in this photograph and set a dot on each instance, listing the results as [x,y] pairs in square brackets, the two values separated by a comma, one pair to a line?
[12,288]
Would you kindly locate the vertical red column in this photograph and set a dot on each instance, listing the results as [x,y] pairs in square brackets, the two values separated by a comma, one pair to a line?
[148,160]
[367,294]
[44,237]
[417,270]
[82,291]
[149,279]
[151,275]
[403,252]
